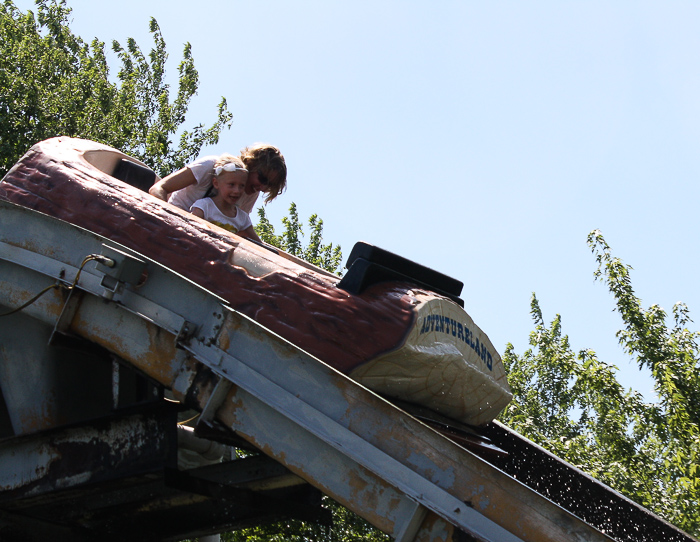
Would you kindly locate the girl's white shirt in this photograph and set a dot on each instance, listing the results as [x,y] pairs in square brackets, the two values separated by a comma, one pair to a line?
[203,171]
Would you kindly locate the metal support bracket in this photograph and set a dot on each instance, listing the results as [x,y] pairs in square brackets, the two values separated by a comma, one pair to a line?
[185,334]
[414,514]
[66,317]
[216,399]
[119,268]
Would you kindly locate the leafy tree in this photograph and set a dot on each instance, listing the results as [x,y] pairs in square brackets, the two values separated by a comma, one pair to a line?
[326,257]
[52,83]
[572,404]
[346,527]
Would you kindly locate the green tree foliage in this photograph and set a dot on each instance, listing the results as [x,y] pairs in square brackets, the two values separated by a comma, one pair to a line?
[346,527]
[52,83]
[572,404]
[327,257]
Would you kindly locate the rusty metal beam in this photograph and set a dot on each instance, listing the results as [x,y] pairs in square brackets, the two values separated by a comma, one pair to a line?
[114,479]
[106,449]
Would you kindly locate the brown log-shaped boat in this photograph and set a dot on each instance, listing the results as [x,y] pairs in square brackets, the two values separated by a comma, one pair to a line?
[395,334]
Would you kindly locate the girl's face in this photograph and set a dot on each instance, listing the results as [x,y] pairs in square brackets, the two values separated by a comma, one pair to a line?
[230,186]
[257,182]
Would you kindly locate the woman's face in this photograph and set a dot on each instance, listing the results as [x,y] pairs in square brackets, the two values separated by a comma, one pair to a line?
[257,182]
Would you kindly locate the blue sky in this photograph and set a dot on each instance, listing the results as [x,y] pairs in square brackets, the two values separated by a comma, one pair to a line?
[482,139]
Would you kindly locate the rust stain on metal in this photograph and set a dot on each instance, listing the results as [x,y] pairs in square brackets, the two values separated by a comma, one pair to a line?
[51,302]
[364,498]
[32,245]
[435,529]
[476,485]
[45,418]
[359,485]
[233,402]
[184,377]
[224,341]
[155,358]
[161,354]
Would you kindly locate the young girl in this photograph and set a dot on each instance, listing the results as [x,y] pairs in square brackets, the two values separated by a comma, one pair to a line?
[267,172]
[229,181]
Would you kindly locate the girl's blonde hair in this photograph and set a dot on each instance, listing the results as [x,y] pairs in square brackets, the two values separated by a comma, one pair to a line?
[228,159]
[267,160]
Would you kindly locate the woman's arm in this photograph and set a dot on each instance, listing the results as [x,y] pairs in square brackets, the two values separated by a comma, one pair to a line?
[175,181]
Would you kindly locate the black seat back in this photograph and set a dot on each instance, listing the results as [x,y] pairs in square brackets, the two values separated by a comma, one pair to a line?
[134,174]
[368,265]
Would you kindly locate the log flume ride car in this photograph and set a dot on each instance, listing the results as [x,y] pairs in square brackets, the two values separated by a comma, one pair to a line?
[394,326]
